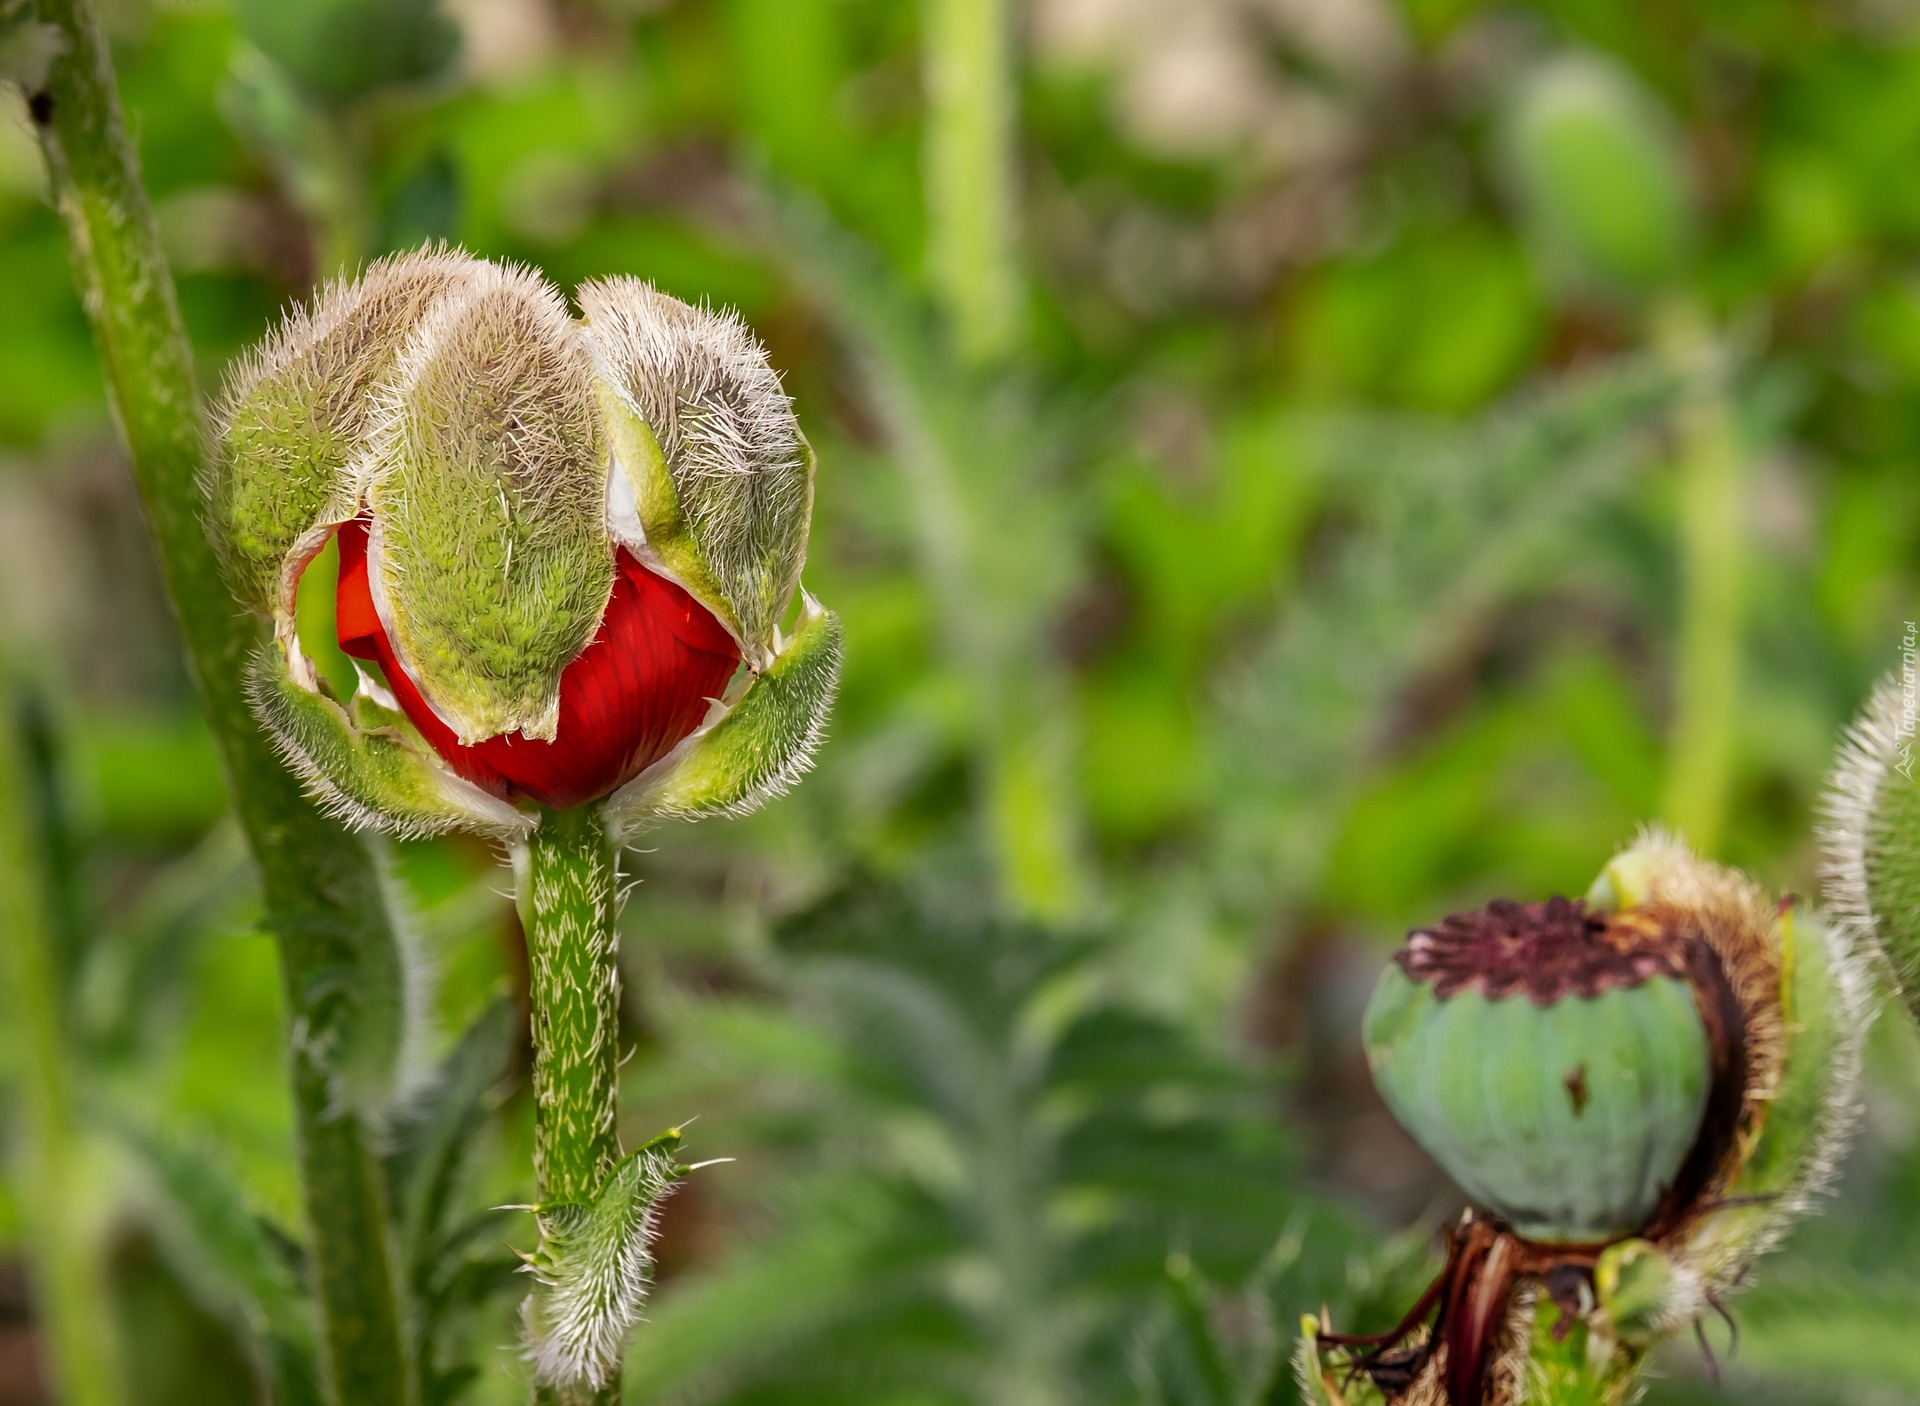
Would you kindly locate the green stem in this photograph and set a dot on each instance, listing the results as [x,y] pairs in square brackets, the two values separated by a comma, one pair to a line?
[323,896]
[972,254]
[1712,561]
[567,876]
[70,1281]
[969,172]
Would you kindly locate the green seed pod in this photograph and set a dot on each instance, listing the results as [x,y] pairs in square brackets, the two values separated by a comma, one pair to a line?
[1641,1090]
[1567,1113]
[1595,167]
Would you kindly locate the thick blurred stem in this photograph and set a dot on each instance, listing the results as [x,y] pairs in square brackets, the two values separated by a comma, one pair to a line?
[1028,781]
[972,254]
[567,877]
[69,1278]
[969,172]
[1712,570]
[322,895]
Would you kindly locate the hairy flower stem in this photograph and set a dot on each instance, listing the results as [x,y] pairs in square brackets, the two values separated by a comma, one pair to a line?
[567,873]
[323,898]
[69,1279]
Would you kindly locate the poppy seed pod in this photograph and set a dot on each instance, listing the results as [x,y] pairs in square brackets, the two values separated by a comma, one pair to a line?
[1553,1062]
[566,548]
[1638,1090]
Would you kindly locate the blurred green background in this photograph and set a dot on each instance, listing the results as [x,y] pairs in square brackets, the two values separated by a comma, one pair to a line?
[1289,469]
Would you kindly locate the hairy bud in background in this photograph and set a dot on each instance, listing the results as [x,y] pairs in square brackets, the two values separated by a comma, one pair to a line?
[1872,833]
[1639,1091]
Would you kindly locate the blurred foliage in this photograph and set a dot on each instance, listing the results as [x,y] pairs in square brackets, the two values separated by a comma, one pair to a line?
[1309,563]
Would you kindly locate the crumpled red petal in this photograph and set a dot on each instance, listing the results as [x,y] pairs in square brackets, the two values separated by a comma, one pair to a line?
[639,687]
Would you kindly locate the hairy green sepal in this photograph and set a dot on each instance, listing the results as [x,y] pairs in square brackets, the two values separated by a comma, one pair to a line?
[718,479]
[1893,877]
[758,748]
[367,766]
[669,544]
[1872,834]
[283,471]
[489,548]
[1812,1110]
[1569,1120]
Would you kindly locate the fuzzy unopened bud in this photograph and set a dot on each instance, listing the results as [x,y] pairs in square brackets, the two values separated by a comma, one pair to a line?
[1872,832]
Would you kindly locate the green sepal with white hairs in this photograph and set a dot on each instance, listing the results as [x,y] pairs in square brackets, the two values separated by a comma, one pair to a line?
[365,767]
[283,468]
[594,1266]
[758,748]
[1827,1003]
[488,556]
[644,509]
[713,484]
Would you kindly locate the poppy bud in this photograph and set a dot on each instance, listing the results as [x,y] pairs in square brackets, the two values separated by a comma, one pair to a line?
[559,543]
[1596,168]
[1639,1090]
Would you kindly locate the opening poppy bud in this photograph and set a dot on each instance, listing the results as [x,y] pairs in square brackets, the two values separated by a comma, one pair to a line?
[646,680]
[559,541]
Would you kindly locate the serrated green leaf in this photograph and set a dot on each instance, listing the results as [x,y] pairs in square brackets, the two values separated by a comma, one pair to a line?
[235,1262]
[432,1139]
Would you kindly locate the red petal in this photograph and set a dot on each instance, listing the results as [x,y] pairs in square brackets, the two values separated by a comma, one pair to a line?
[641,685]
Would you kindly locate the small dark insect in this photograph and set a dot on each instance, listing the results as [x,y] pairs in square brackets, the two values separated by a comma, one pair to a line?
[40,105]
[1577,1090]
